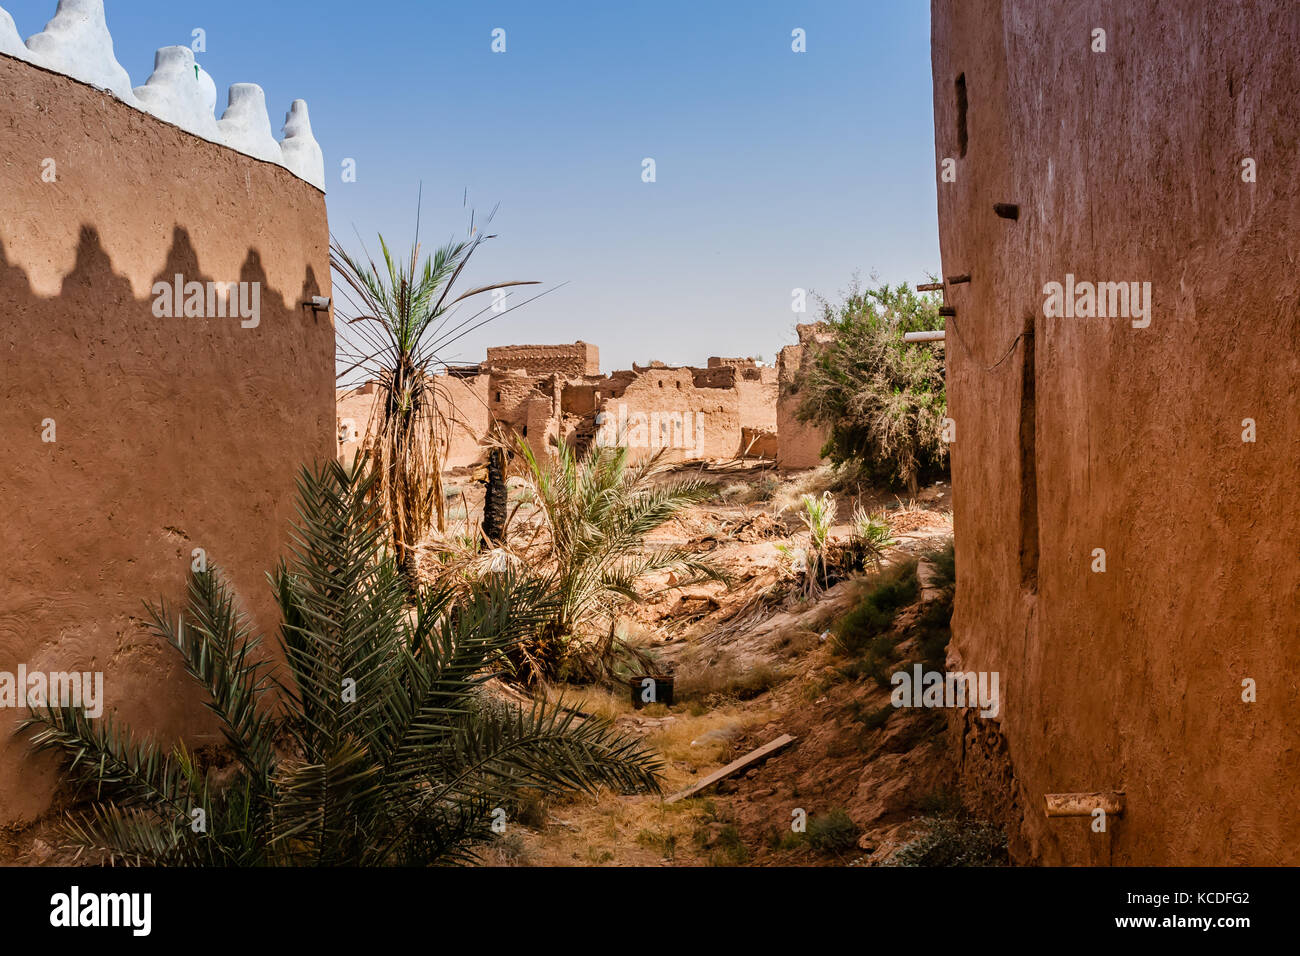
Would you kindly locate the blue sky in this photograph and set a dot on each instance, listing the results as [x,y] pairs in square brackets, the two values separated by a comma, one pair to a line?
[775,170]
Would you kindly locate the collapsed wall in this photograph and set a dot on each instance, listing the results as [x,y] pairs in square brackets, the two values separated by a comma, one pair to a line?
[1124,485]
[576,360]
[144,429]
[725,411]
[664,411]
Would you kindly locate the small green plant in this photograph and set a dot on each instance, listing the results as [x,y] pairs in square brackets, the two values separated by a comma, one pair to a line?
[730,849]
[811,563]
[664,843]
[871,536]
[832,832]
[818,515]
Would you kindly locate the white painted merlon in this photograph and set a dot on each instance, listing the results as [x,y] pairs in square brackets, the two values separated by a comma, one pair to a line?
[11,43]
[76,43]
[181,93]
[302,154]
[246,126]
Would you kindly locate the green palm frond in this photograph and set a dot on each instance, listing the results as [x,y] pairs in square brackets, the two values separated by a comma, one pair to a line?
[377,744]
[599,508]
[398,316]
[218,649]
[104,756]
[552,748]
[328,809]
[127,836]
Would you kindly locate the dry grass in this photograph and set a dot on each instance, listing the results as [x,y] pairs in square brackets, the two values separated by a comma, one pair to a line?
[722,693]
[596,701]
[725,679]
[814,482]
[690,738]
[693,745]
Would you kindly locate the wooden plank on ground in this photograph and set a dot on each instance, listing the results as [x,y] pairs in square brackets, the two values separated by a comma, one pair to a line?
[753,757]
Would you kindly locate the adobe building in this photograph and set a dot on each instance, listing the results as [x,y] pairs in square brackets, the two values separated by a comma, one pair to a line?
[548,393]
[142,438]
[1121,370]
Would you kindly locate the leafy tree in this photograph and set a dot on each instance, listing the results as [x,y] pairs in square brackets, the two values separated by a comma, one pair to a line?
[881,400]
[380,747]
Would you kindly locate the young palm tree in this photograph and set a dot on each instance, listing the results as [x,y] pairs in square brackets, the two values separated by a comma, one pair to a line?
[381,747]
[871,536]
[598,509]
[403,315]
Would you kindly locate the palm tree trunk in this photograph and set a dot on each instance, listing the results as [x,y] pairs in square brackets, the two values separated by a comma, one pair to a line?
[494,501]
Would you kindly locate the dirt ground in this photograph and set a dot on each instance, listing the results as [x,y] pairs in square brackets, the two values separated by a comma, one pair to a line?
[748,668]
[747,672]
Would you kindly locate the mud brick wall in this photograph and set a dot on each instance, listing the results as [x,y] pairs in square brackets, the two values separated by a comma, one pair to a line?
[799,444]
[576,360]
[1128,165]
[672,394]
[170,434]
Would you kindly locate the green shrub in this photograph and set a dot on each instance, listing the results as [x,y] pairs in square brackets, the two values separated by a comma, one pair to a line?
[945,564]
[934,627]
[728,847]
[832,832]
[896,588]
[881,399]
[871,537]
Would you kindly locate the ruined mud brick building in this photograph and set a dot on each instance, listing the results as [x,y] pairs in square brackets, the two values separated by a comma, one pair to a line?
[546,393]
[136,441]
[1124,487]
[799,443]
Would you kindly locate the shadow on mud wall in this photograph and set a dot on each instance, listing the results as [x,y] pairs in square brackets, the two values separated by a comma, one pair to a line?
[132,443]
